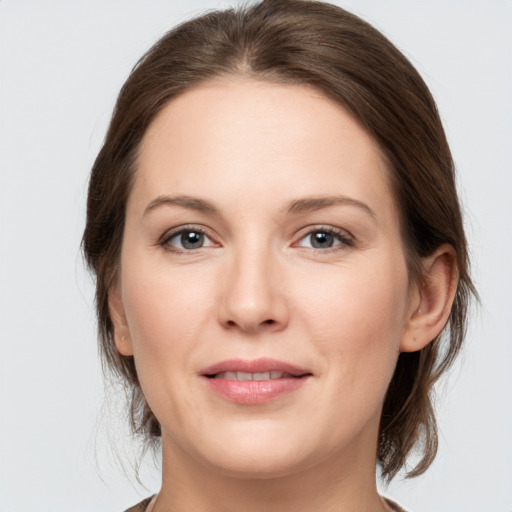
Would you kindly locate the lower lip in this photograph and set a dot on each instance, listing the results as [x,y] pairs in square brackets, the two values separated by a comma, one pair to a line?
[254,392]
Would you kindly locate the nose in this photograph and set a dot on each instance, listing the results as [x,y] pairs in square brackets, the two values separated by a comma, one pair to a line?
[253,294]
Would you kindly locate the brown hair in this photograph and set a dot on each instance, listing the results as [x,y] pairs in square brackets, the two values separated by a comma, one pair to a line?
[321,46]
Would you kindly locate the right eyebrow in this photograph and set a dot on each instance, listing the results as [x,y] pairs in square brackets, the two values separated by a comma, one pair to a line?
[190,203]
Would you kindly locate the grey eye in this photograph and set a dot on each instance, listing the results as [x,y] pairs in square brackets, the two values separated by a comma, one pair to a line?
[325,239]
[321,240]
[191,239]
[188,240]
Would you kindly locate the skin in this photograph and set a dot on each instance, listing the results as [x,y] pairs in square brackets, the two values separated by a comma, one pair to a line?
[258,288]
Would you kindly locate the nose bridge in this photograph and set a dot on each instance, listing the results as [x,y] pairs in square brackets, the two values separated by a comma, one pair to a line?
[253,296]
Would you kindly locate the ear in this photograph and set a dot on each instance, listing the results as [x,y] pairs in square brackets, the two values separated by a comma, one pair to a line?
[431,300]
[117,315]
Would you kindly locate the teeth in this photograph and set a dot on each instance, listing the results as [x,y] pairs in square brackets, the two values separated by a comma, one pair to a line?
[243,376]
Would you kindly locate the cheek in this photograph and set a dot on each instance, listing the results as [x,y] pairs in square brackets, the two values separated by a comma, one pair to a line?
[357,317]
[166,312]
[163,307]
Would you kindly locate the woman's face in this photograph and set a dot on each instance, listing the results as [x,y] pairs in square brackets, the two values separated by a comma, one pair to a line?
[262,242]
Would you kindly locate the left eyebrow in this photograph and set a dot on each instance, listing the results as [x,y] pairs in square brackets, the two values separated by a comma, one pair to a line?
[311,204]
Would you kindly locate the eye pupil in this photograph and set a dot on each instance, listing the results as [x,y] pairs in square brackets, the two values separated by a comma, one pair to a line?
[192,239]
[321,239]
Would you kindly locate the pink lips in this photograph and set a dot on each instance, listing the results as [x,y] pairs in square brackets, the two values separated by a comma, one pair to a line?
[260,390]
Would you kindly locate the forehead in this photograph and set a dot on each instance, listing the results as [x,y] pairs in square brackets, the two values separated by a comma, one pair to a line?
[241,137]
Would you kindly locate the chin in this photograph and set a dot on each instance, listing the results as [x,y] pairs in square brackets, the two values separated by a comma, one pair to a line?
[259,466]
[260,452]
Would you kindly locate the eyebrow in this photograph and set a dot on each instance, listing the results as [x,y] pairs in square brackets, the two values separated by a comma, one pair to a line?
[190,203]
[312,204]
[298,206]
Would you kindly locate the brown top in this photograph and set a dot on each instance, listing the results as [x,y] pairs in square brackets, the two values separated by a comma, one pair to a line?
[143,506]
[394,506]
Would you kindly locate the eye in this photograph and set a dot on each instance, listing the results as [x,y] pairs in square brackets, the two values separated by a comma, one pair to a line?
[187,239]
[325,238]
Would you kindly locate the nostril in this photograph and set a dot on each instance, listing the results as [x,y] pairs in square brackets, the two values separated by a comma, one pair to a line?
[250,324]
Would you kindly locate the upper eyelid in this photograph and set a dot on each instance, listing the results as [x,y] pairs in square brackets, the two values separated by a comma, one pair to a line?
[300,234]
[164,240]
[323,227]
[346,239]
[186,227]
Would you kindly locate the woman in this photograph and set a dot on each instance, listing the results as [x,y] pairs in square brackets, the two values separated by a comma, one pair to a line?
[281,265]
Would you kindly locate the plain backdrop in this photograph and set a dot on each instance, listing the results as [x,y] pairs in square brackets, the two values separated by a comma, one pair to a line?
[61,66]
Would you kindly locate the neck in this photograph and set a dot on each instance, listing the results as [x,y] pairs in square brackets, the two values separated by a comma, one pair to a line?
[327,486]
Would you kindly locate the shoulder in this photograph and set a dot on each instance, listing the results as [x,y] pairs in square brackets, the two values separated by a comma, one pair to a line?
[394,506]
[141,507]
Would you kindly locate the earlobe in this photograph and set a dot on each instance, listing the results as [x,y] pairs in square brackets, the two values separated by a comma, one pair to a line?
[436,293]
[117,315]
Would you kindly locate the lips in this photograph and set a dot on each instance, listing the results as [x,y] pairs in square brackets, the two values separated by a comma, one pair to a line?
[262,365]
[254,382]
[244,376]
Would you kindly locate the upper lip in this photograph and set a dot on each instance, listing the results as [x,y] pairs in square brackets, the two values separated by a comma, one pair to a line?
[261,365]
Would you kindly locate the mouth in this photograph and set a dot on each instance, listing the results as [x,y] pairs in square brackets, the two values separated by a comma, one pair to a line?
[254,382]
[245,376]
[258,369]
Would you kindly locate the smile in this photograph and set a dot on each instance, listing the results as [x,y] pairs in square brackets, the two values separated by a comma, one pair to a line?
[254,382]
[245,376]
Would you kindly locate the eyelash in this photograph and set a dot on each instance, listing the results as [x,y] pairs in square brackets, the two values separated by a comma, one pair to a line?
[345,239]
[165,241]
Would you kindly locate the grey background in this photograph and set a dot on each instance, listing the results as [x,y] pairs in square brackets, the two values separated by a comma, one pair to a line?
[61,66]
